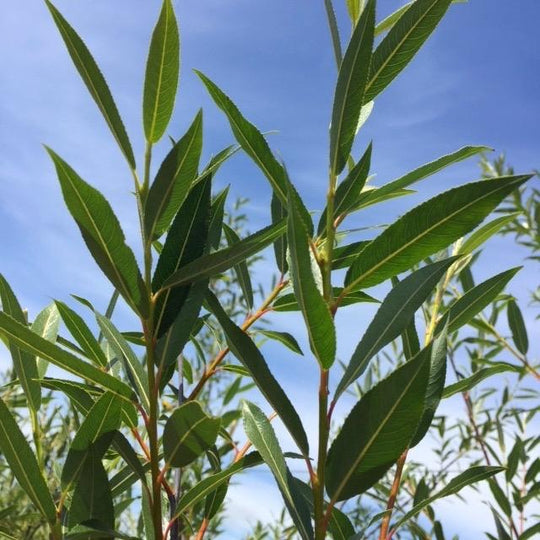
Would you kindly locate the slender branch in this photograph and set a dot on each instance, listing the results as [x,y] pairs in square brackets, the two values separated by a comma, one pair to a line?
[393,495]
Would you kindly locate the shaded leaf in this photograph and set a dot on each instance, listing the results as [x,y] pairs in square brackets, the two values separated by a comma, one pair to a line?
[288,302]
[173,181]
[161,79]
[252,359]
[94,81]
[102,234]
[241,269]
[214,263]
[186,241]
[517,327]
[279,213]
[188,433]
[344,256]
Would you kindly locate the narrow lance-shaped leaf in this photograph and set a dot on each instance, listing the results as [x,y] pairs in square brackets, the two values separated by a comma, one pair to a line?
[334,30]
[23,464]
[254,144]
[173,181]
[186,241]
[478,237]
[467,384]
[464,309]
[82,334]
[317,316]
[279,213]
[424,171]
[378,429]
[188,433]
[288,302]
[161,79]
[103,235]
[249,355]
[435,386]
[428,228]
[261,434]
[345,255]
[94,81]
[350,86]
[402,42]
[470,476]
[389,21]
[132,365]
[393,317]
[517,327]
[224,259]
[241,269]
[349,190]
[24,364]
[27,340]
[283,337]
[46,325]
[211,483]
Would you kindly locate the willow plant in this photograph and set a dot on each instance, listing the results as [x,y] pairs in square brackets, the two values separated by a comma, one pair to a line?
[181,226]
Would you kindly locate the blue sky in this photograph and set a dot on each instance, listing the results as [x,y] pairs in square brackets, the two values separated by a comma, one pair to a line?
[475,82]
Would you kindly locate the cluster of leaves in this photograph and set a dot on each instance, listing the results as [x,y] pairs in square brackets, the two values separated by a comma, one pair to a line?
[139,412]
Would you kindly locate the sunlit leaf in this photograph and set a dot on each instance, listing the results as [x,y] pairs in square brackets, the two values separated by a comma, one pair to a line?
[161,79]
[94,81]
[241,269]
[517,327]
[46,325]
[283,337]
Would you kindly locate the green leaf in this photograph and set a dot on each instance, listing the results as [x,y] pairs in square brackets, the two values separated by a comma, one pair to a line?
[220,261]
[173,181]
[161,79]
[288,302]
[186,241]
[255,146]
[92,497]
[251,358]
[475,300]
[317,316]
[283,337]
[103,418]
[350,87]
[23,464]
[261,434]
[435,386]
[46,325]
[478,237]
[82,334]
[172,343]
[94,81]
[345,255]
[424,171]
[517,327]
[427,229]
[279,213]
[27,340]
[133,366]
[402,42]
[349,190]
[530,532]
[98,531]
[188,433]
[24,364]
[470,476]
[209,484]
[124,448]
[378,429]
[216,219]
[389,21]
[241,269]
[464,385]
[393,317]
[102,234]
[334,29]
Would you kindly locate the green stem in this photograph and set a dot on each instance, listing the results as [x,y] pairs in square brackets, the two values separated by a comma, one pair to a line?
[36,432]
[55,530]
[330,238]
